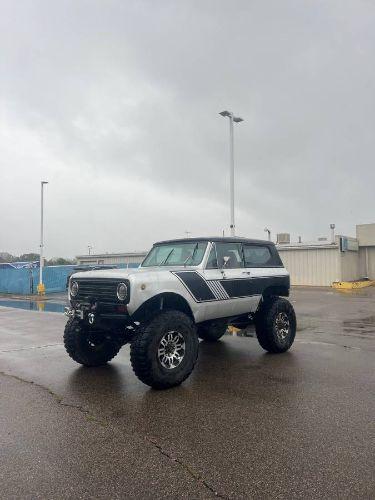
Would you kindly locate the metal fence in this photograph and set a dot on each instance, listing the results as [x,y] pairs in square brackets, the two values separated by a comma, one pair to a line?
[25,281]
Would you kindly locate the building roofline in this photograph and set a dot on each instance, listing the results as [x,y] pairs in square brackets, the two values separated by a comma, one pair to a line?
[221,239]
[99,255]
[305,246]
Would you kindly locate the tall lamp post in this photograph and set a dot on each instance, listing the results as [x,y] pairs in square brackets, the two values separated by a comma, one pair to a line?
[41,287]
[232,119]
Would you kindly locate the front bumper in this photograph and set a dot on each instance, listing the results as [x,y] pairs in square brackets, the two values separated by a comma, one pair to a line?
[94,313]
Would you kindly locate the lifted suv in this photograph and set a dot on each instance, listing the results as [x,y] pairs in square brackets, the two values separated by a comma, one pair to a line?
[184,289]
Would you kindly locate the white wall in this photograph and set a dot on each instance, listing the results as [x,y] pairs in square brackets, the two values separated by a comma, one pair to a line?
[366,234]
[370,271]
[350,268]
[111,259]
[312,266]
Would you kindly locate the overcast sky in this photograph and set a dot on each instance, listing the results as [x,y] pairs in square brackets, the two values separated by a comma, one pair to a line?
[116,104]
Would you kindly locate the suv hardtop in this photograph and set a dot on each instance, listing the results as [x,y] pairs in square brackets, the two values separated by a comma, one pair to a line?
[184,289]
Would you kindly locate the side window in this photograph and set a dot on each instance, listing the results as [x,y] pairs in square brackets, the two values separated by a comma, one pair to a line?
[212,260]
[231,250]
[257,256]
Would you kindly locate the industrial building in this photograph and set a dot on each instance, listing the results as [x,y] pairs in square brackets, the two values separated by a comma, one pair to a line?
[130,259]
[320,263]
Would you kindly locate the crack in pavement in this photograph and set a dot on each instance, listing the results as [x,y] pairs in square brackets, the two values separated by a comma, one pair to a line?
[29,348]
[198,477]
[56,397]
[152,441]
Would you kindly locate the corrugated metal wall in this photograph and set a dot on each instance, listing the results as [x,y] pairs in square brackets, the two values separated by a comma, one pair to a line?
[112,259]
[349,266]
[370,271]
[312,266]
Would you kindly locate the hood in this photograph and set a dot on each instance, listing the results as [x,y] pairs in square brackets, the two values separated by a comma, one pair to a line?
[106,273]
[126,273]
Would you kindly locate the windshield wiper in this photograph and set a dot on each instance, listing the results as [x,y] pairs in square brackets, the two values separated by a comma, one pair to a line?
[191,256]
[167,257]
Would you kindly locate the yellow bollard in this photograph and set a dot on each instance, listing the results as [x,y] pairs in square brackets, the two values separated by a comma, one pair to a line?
[41,289]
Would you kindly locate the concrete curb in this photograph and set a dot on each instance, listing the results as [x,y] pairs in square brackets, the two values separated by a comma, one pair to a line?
[352,285]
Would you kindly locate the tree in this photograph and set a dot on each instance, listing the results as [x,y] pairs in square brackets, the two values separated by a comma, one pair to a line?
[28,257]
[59,261]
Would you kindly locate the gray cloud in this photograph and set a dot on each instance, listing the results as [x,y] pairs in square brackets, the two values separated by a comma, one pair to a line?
[117,103]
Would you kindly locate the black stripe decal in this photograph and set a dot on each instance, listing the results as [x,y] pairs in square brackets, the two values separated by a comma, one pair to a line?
[252,286]
[224,289]
[196,285]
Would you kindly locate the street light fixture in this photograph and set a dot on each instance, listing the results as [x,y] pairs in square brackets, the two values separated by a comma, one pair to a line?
[266,230]
[41,288]
[232,119]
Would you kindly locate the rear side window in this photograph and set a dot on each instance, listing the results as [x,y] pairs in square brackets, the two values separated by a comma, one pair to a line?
[258,256]
[233,252]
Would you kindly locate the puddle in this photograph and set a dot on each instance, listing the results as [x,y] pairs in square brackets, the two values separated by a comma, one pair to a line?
[31,305]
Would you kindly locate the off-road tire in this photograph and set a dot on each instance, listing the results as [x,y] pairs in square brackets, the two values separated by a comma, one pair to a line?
[266,324]
[212,331]
[78,342]
[144,349]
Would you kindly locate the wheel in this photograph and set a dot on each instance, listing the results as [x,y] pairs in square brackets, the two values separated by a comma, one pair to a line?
[212,330]
[164,352]
[89,347]
[275,325]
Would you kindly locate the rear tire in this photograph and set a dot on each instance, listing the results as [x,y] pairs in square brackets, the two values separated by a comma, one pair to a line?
[212,331]
[275,325]
[165,350]
[89,347]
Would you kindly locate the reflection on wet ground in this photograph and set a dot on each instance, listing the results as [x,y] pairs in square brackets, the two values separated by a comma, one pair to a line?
[33,305]
[362,327]
[246,424]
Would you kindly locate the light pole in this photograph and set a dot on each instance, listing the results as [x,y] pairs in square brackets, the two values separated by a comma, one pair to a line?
[266,230]
[41,287]
[232,119]
[89,247]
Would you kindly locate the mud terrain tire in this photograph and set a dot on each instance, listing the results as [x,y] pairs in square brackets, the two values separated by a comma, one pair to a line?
[275,325]
[88,347]
[165,350]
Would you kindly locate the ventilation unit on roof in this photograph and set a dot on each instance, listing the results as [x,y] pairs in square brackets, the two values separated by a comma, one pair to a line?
[283,238]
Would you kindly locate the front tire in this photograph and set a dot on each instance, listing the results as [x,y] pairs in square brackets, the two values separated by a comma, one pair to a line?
[165,350]
[275,325]
[89,347]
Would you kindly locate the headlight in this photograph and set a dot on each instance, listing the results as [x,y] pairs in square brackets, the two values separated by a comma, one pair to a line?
[122,291]
[73,288]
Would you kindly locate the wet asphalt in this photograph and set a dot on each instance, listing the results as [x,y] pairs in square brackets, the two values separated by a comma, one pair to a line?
[246,424]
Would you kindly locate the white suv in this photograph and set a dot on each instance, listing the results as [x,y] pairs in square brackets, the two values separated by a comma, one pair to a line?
[184,289]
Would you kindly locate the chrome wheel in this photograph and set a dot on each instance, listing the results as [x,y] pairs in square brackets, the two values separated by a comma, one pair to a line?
[171,350]
[282,326]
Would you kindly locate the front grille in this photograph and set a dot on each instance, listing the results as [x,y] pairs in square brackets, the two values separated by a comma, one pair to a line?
[101,290]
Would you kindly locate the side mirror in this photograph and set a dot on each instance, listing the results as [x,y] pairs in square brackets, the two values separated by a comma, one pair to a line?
[226,260]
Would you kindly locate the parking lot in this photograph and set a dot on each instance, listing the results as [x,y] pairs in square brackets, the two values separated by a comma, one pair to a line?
[246,424]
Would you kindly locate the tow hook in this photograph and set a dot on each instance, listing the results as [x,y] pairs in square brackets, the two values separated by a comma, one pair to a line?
[68,311]
[91,318]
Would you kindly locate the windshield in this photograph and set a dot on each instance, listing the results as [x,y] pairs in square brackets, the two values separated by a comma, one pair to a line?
[176,254]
